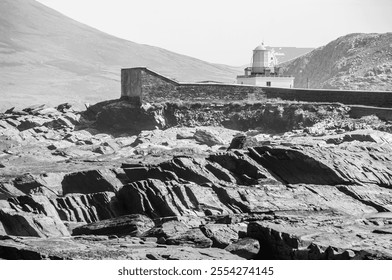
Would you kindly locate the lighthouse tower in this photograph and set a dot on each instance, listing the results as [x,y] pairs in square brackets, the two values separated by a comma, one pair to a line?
[263,60]
[264,70]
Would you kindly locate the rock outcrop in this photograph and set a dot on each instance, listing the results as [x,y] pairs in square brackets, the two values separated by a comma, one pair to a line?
[318,189]
[355,62]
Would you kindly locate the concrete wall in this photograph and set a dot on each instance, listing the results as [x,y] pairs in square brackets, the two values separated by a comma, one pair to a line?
[284,82]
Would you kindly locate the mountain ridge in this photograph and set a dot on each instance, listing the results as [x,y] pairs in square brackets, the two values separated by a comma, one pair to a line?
[357,61]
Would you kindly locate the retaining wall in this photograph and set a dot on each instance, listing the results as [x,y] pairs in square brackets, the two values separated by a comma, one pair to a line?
[142,84]
[349,97]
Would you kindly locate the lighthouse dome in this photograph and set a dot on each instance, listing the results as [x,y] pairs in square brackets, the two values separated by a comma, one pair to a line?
[260,47]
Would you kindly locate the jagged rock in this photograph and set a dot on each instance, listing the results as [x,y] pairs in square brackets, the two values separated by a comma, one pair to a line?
[80,135]
[163,199]
[64,107]
[125,141]
[9,111]
[41,129]
[6,126]
[73,118]
[222,235]
[103,150]
[21,223]
[238,142]
[91,182]
[190,170]
[87,207]
[34,108]
[46,183]
[143,173]
[292,236]
[14,123]
[247,248]
[31,122]
[207,137]
[48,111]
[59,122]
[7,190]
[325,165]
[28,135]
[243,167]
[193,237]
[134,225]
[167,230]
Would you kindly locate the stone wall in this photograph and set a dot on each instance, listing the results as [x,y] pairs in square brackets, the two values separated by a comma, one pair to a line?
[143,84]
[366,98]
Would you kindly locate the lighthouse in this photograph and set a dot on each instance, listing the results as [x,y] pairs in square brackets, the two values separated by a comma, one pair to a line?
[264,70]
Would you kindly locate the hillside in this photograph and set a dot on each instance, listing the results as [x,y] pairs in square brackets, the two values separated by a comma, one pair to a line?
[355,61]
[284,54]
[46,57]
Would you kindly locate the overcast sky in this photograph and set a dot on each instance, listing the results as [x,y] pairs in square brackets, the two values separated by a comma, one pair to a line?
[226,31]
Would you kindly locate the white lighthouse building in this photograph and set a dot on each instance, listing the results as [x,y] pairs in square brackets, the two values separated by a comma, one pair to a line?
[264,70]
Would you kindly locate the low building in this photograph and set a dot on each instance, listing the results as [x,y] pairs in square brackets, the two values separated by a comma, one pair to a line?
[264,70]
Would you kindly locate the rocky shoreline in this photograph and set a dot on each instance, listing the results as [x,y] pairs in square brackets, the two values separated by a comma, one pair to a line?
[276,180]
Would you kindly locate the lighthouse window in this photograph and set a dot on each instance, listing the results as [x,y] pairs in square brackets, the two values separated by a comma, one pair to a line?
[268,84]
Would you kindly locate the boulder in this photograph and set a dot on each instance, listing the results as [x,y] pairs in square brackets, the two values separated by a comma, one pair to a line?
[207,137]
[238,142]
[193,237]
[222,235]
[247,248]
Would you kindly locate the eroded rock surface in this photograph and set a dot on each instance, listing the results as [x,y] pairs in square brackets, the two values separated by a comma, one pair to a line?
[318,185]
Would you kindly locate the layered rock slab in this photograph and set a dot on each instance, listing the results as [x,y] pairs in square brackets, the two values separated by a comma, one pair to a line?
[317,235]
[327,165]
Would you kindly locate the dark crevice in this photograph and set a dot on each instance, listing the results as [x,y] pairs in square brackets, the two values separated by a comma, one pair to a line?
[352,194]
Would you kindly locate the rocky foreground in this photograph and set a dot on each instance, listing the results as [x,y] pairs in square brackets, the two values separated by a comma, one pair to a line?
[195,181]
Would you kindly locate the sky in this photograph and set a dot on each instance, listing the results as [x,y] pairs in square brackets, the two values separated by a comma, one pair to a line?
[226,31]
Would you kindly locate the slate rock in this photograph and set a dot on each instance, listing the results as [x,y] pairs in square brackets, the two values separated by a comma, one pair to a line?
[247,248]
[91,181]
[133,225]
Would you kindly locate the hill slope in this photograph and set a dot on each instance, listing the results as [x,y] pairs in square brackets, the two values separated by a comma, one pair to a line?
[355,61]
[48,57]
